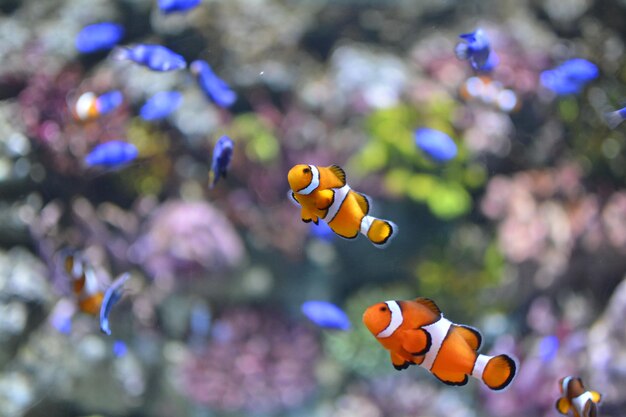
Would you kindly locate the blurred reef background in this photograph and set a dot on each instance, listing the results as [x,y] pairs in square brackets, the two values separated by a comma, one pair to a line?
[522,235]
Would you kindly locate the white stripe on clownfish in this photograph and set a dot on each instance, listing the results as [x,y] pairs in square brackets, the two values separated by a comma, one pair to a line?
[479,365]
[565,384]
[84,103]
[366,223]
[580,401]
[315,181]
[396,319]
[438,332]
[339,198]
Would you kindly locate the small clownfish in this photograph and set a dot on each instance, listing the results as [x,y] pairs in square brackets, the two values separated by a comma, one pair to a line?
[491,93]
[580,402]
[416,333]
[90,106]
[322,192]
[85,284]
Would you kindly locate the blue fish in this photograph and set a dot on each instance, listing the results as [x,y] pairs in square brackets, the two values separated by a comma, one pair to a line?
[326,315]
[213,86]
[111,297]
[222,154]
[548,348]
[477,50]
[171,6]
[570,77]
[155,57]
[119,348]
[160,105]
[112,154]
[615,118]
[322,231]
[99,37]
[108,102]
[437,145]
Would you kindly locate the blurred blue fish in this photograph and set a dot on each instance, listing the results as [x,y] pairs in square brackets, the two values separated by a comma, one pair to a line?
[477,50]
[548,347]
[89,106]
[155,57]
[99,37]
[171,6]
[437,145]
[322,231]
[615,118]
[160,105]
[119,348]
[111,297]
[111,154]
[109,101]
[326,315]
[570,77]
[213,86]
[222,154]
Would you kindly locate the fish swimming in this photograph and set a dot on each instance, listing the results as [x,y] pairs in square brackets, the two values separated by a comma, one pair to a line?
[615,118]
[322,193]
[213,86]
[222,154]
[476,49]
[155,57]
[84,283]
[436,144]
[99,37]
[570,77]
[489,92]
[111,297]
[416,333]
[326,315]
[111,154]
[171,6]
[89,106]
[577,400]
[161,105]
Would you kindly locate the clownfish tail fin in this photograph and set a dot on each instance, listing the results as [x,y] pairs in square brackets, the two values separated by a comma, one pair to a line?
[497,372]
[378,231]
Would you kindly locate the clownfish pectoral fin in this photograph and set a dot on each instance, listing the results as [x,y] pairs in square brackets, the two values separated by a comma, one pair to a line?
[324,200]
[429,304]
[562,405]
[471,335]
[596,397]
[398,362]
[451,378]
[363,201]
[292,197]
[416,341]
[307,216]
[339,173]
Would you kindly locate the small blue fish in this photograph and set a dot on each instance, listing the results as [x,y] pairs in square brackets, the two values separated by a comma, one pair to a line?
[326,315]
[213,86]
[615,118]
[322,231]
[160,105]
[171,6]
[112,154]
[222,154]
[155,57]
[119,348]
[111,297]
[437,145]
[570,77]
[99,37]
[548,348]
[109,101]
[477,50]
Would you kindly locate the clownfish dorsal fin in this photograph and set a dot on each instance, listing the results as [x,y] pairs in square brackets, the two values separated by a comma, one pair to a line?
[563,405]
[429,304]
[596,397]
[363,202]
[471,335]
[339,173]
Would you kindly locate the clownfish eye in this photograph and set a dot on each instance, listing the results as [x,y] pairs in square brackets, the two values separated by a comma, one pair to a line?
[383,309]
[306,170]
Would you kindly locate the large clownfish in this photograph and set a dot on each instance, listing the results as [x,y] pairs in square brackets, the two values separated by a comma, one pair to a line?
[580,402]
[416,333]
[84,284]
[322,193]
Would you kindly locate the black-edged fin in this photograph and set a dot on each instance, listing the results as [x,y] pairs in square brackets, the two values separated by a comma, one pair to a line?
[363,202]
[562,405]
[339,173]
[292,197]
[471,335]
[590,409]
[456,380]
[429,304]
[399,363]
[416,341]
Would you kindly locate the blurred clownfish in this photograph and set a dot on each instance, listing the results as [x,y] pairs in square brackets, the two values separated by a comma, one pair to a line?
[581,402]
[84,283]
[322,192]
[416,333]
[491,93]
[90,106]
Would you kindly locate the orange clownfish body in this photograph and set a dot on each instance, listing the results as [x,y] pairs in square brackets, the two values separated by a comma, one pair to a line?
[575,398]
[491,93]
[86,107]
[322,193]
[85,284]
[416,333]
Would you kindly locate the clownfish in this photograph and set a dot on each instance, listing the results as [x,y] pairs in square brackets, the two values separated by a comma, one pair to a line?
[490,93]
[89,106]
[322,193]
[416,333]
[84,284]
[580,402]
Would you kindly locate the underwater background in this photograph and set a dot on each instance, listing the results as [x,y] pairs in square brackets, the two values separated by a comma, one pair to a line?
[522,234]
